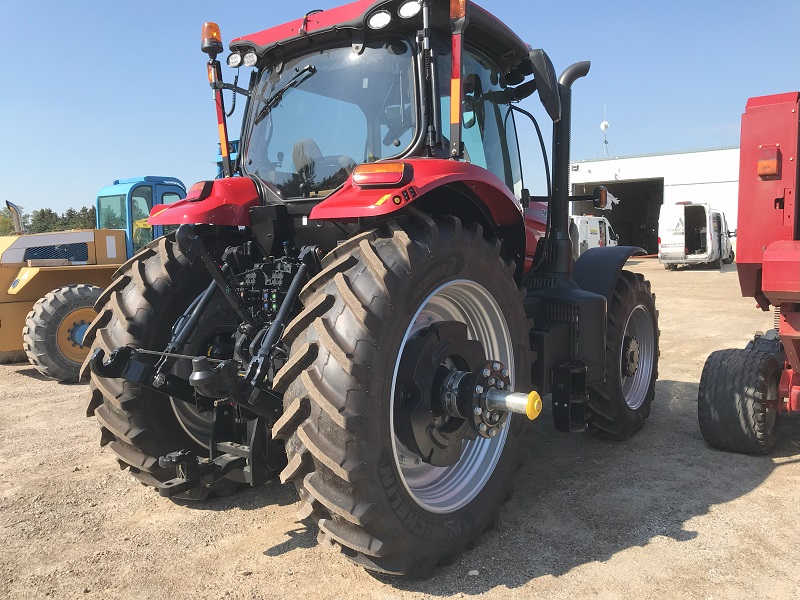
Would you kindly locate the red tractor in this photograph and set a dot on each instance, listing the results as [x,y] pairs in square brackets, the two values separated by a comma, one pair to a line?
[743,393]
[369,303]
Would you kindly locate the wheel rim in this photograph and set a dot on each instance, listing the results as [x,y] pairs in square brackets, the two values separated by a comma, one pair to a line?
[71,331]
[636,372]
[446,489]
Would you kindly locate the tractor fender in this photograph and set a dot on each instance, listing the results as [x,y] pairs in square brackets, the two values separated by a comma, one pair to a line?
[215,202]
[598,269]
[427,174]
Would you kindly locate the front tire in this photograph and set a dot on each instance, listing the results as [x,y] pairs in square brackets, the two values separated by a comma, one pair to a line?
[619,405]
[53,336]
[382,504]
[735,401]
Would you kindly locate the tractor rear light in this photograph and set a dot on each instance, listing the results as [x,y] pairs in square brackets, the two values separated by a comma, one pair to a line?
[769,161]
[211,38]
[234,60]
[250,59]
[382,174]
[199,191]
[409,9]
[379,20]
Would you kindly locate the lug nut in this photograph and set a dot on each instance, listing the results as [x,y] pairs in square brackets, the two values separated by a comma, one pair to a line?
[500,384]
[482,427]
[487,415]
[492,381]
[477,411]
[492,432]
[486,372]
[496,366]
[478,389]
[504,372]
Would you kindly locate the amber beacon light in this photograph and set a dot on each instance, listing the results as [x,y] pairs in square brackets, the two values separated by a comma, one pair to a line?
[211,39]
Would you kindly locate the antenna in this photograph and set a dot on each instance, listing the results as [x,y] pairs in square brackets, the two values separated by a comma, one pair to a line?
[604,128]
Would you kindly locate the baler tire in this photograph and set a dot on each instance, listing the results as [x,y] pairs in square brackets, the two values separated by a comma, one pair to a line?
[54,331]
[344,455]
[619,405]
[138,310]
[732,401]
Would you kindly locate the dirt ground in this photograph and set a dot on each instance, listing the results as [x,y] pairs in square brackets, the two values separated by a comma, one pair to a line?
[660,516]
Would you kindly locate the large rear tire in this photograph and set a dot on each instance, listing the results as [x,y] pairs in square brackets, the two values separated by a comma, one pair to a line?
[380,503]
[150,293]
[735,401]
[54,331]
[619,406]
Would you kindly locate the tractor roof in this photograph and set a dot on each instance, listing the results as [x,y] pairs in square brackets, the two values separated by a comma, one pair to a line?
[485,31]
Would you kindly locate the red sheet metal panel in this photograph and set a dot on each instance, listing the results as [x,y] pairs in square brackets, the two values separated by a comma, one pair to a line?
[767,206]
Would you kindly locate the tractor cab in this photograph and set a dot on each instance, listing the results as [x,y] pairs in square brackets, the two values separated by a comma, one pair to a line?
[126,204]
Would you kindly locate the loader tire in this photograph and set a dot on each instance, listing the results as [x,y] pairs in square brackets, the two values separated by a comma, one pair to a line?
[379,503]
[619,405]
[734,401]
[54,331]
[138,424]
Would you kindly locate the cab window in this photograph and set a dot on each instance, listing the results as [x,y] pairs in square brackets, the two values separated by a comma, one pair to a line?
[141,203]
[488,130]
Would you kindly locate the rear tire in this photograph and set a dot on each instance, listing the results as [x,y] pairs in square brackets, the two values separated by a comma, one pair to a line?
[619,406]
[384,507]
[53,336]
[730,258]
[138,310]
[732,401]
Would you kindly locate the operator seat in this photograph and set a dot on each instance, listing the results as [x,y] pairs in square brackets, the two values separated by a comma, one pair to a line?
[304,154]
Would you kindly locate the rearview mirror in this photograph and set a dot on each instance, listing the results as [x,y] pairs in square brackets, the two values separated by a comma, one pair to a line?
[600,196]
[545,77]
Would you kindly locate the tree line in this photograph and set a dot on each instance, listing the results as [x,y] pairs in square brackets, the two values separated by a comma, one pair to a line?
[46,219]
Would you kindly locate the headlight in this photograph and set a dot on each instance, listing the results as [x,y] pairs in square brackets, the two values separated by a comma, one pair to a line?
[234,60]
[379,20]
[250,59]
[409,9]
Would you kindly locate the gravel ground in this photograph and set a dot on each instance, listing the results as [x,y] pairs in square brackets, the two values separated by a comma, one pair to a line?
[660,516]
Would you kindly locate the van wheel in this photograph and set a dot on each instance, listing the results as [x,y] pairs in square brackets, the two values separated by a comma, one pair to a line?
[730,258]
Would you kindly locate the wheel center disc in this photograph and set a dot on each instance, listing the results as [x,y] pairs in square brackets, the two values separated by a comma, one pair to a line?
[421,424]
[630,356]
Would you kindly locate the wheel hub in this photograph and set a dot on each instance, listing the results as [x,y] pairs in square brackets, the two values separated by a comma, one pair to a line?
[421,422]
[450,393]
[630,356]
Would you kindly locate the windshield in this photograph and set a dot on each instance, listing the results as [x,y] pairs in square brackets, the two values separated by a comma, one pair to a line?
[317,117]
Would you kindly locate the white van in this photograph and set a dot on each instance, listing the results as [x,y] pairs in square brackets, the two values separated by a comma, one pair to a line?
[591,232]
[693,234]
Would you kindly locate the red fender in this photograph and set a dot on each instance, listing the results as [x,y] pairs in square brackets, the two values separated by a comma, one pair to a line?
[218,202]
[353,202]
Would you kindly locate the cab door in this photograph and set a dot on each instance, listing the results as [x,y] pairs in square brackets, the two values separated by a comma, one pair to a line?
[140,232]
[167,193]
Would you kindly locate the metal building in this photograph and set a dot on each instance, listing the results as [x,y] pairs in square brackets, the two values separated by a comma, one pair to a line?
[643,183]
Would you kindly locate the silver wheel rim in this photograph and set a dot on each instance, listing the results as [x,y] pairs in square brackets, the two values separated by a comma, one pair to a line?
[640,327]
[447,489]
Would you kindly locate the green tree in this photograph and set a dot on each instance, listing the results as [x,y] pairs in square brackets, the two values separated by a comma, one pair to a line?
[44,220]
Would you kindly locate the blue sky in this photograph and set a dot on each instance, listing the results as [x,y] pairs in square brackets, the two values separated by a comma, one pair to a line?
[95,91]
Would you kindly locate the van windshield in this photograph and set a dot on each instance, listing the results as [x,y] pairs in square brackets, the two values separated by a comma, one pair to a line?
[315,118]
